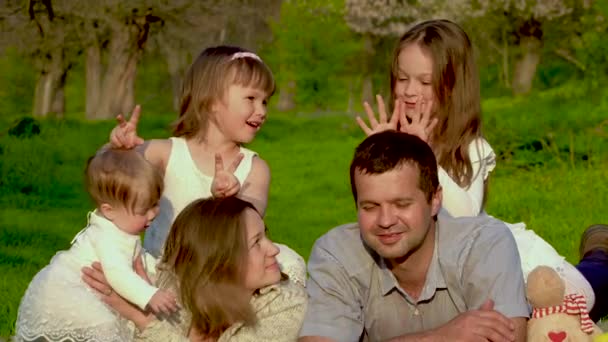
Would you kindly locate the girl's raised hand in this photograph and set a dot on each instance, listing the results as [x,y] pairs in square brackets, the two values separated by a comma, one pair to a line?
[225,183]
[382,124]
[418,121]
[124,135]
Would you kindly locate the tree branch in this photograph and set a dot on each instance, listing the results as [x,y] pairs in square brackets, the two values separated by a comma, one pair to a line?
[565,54]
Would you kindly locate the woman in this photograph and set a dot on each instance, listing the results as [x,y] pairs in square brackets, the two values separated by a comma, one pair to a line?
[223,268]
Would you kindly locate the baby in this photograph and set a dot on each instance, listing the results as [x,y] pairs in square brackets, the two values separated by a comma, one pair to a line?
[57,305]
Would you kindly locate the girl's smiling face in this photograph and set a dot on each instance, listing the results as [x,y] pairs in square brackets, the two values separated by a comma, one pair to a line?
[414,79]
[241,113]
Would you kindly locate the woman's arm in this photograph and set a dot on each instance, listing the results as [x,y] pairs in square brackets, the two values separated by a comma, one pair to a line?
[150,329]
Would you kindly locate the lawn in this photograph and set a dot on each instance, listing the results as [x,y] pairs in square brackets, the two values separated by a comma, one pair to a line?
[552,150]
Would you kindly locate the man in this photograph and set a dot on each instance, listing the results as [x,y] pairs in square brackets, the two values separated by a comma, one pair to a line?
[406,271]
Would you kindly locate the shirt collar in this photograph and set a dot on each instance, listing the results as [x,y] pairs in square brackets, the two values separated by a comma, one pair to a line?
[434,277]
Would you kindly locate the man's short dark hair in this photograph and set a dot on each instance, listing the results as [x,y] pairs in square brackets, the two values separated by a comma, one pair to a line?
[385,151]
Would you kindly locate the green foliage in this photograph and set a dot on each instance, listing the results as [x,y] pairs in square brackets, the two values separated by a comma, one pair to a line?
[17,82]
[25,128]
[591,47]
[313,46]
[153,88]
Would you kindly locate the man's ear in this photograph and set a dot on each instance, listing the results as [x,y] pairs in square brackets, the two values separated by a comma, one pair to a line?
[436,200]
[107,211]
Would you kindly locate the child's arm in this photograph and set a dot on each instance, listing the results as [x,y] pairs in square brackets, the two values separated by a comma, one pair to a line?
[115,255]
[459,201]
[94,277]
[124,135]
[255,188]
[163,302]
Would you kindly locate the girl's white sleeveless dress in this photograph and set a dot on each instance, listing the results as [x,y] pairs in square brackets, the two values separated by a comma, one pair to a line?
[184,183]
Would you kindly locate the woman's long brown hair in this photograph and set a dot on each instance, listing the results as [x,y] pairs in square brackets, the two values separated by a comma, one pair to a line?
[205,253]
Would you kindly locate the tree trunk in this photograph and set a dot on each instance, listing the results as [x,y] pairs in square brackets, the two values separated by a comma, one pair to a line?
[114,85]
[587,4]
[128,100]
[350,103]
[367,85]
[177,62]
[93,80]
[50,81]
[58,104]
[530,45]
[117,90]
[287,96]
[505,59]
[41,95]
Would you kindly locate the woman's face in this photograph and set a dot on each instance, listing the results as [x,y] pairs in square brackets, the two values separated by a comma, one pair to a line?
[414,77]
[262,266]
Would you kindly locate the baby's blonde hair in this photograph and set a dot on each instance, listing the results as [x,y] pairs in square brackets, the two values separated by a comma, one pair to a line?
[123,178]
[207,80]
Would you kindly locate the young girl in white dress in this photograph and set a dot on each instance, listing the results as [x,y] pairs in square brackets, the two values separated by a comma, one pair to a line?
[435,94]
[58,305]
[223,106]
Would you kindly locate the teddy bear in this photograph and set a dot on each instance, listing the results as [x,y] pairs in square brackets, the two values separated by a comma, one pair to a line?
[556,316]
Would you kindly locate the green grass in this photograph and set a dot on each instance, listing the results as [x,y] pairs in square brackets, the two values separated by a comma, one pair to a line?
[550,175]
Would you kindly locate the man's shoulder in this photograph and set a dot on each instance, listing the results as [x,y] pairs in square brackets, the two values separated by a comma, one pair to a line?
[456,230]
[469,238]
[342,239]
[344,245]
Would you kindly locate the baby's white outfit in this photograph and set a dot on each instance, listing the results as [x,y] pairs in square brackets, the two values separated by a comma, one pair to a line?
[58,305]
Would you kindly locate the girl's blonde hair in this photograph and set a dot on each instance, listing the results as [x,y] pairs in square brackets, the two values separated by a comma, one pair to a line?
[205,253]
[455,83]
[207,80]
[124,178]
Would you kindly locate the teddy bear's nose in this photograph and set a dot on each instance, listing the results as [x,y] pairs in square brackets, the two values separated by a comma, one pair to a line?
[557,336]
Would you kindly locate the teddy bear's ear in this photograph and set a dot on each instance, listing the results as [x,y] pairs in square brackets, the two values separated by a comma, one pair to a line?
[545,288]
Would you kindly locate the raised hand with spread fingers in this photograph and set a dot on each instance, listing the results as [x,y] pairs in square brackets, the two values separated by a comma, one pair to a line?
[419,121]
[382,123]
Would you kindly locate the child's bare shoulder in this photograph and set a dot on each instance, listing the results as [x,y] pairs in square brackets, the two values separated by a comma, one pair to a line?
[157,151]
[260,166]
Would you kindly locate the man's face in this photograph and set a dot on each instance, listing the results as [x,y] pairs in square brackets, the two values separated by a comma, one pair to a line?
[394,214]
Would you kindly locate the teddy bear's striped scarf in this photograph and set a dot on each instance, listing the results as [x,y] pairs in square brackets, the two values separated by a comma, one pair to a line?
[574,304]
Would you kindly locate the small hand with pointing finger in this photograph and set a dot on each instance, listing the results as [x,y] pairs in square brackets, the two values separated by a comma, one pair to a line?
[225,183]
[124,135]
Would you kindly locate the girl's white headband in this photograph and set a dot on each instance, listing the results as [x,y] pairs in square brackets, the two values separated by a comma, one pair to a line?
[244,54]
